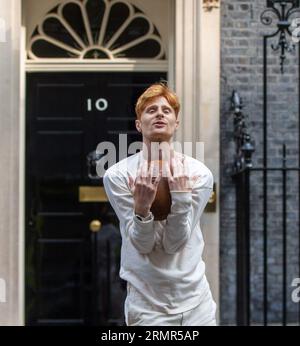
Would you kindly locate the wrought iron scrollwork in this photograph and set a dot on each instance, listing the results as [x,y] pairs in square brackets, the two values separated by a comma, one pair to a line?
[283,10]
[244,143]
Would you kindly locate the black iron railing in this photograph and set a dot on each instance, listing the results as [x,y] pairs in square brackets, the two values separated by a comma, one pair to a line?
[241,173]
[244,173]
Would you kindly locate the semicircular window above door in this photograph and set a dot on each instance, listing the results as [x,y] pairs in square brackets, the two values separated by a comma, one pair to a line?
[96,29]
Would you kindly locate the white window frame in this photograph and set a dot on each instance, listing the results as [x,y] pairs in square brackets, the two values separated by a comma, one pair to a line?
[35,64]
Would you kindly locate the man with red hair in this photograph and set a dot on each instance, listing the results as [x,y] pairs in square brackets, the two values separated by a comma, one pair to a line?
[159,196]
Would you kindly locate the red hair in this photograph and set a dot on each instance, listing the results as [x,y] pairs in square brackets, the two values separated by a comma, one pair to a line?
[154,91]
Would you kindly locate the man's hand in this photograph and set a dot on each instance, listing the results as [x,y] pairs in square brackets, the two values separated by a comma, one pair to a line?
[178,177]
[144,188]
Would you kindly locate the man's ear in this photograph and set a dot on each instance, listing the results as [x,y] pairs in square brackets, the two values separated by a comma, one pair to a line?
[176,124]
[138,125]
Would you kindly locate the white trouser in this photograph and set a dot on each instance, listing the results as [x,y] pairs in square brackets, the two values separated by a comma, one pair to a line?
[140,312]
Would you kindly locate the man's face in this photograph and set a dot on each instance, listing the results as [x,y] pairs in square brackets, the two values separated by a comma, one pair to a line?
[158,121]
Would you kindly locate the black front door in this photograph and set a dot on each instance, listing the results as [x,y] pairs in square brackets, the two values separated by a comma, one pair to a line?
[72,235]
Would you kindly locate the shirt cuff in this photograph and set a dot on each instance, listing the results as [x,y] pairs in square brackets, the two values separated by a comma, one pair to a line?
[148,219]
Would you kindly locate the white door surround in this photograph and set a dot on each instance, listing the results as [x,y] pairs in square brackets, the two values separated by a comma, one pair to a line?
[193,63]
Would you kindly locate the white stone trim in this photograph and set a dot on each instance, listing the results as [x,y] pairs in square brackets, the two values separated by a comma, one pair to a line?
[10,312]
[172,44]
[187,58]
[48,65]
[197,83]
[22,173]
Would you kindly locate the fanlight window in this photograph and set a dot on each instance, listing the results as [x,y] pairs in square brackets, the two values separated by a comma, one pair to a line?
[96,29]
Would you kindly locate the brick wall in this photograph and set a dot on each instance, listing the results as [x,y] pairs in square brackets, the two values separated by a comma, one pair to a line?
[242,67]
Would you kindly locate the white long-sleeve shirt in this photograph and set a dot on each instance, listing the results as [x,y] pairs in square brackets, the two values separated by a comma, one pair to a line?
[162,259]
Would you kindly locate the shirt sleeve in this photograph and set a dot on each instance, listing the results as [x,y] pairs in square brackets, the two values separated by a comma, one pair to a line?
[140,233]
[186,210]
